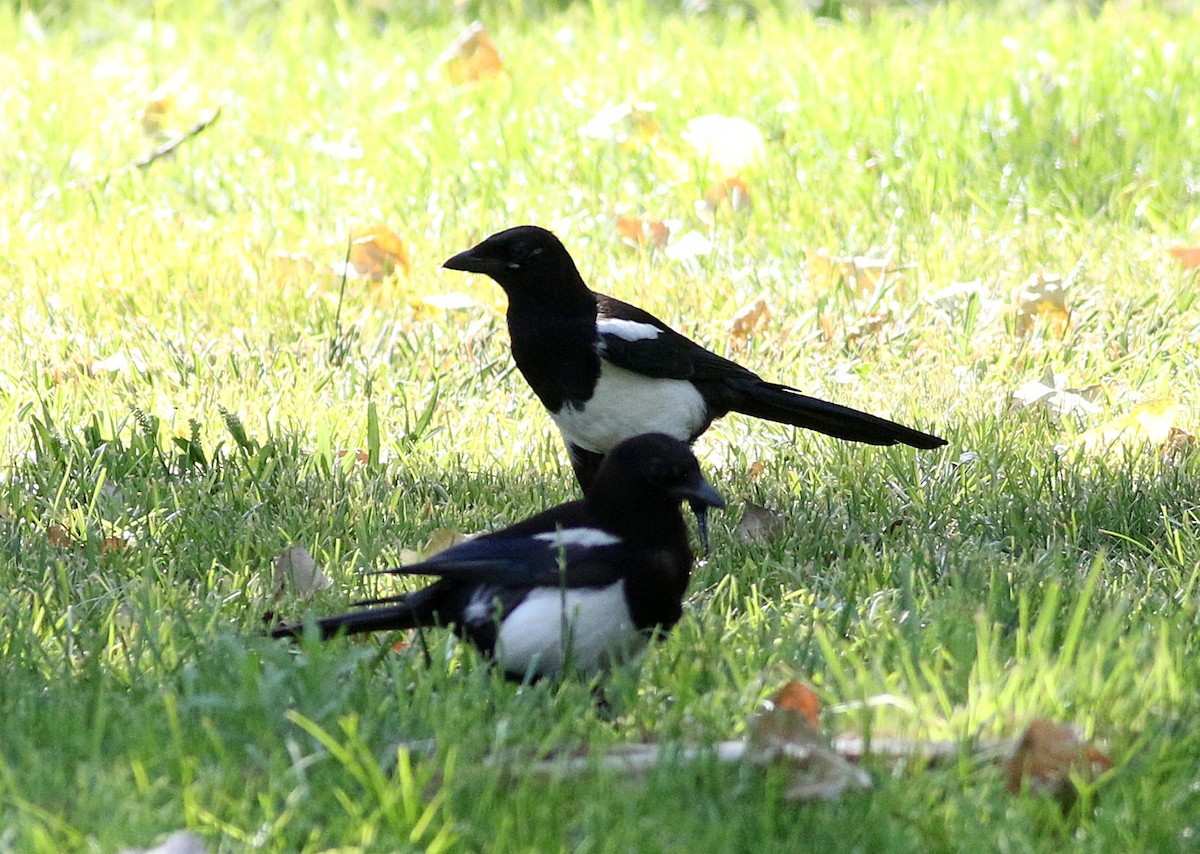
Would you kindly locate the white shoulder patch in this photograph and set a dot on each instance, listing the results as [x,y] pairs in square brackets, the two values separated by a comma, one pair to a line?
[578,537]
[627,330]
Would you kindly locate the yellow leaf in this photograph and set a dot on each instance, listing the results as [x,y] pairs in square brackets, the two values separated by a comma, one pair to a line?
[1042,300]
[472,57]
[728,144]
[442,539]
[1149,423]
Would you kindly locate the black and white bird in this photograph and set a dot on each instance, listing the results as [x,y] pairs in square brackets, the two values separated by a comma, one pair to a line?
[578,587]
[606,370]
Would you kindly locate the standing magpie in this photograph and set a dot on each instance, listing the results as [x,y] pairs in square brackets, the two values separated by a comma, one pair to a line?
[580,586]
[606,370]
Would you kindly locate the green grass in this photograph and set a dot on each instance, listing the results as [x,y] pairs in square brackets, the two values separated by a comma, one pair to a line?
[1020,581]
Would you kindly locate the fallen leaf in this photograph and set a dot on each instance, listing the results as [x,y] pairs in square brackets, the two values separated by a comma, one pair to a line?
[295,566]
[749,320]
[727,144]
[179,842]
[1188,256]
[863,274]
[57,536]
[1046,757]
[757,522]
[1042,300]
[629,125]
[375,253]
[787,731]
[113,544]
[471,57]
[731,191]
[1050,394]
[800,698]
[442,539]
[1179,443]
[1149,423]
[643,232]
[360,456]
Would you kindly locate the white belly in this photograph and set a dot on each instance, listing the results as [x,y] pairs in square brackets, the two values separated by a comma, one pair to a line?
[625,404]
[589,628]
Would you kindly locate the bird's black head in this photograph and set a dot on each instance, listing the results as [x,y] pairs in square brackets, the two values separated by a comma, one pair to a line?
[525,259]
[648,471]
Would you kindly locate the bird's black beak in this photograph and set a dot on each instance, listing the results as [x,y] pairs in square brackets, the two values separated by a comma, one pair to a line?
[469,262]
[700,495]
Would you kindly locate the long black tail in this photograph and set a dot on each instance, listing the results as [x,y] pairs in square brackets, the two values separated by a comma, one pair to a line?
[780,403]
[411,611]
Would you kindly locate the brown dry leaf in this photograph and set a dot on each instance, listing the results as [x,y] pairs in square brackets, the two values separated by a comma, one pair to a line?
[1179,443]
[728,144]
[630,125]
[375,253]
[295,567]
[749,320]
[729,190]
[1046,757]
[757,522]
[1149,423]
[756,471]
[113,544]
[57,536]
[472,57]
[1188,256]
[786,731]
[1042,300]
[643,232]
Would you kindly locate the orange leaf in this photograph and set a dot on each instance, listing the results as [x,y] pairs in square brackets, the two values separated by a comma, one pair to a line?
[799,698]
[731,190]
[472,57]
[112,544]
[375,253]
[643,232]
[1046,756]
[1188,256]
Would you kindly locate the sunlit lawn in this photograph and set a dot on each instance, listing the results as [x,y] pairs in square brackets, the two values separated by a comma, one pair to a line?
[181,372]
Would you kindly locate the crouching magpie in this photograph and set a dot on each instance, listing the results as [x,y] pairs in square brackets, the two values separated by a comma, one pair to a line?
[580,586]
[606,370]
